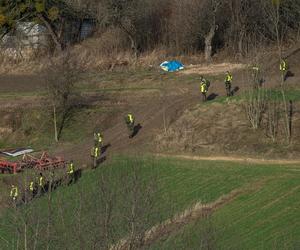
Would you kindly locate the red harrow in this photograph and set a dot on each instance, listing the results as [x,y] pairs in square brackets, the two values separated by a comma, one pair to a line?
[45,162]
[9,167]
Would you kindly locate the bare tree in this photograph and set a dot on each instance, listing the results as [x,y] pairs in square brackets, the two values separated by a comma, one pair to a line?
[212,7]
[273,115]
[255,106]
[125,15]
[277,13]
[60,77]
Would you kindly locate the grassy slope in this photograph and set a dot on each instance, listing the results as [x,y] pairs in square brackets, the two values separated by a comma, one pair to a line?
[179,185]
[264,219]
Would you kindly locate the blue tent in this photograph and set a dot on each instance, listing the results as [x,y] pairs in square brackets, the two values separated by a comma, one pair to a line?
[172,66]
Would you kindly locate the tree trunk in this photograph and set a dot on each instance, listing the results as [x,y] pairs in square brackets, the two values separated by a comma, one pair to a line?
[132,40]
[55,124]
[53,34]
[133,47]
[241,44]
[208,42]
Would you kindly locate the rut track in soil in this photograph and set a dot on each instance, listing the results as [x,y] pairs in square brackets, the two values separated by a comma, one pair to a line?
[231,159]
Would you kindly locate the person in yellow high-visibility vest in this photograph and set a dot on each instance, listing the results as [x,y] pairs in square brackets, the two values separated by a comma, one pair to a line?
[31,189]
[98,139]
[95,153]
[129,120]
[228,81]
[204,84]
[283,69]
[41,183]
[70,172]
[14,193]
[31,186]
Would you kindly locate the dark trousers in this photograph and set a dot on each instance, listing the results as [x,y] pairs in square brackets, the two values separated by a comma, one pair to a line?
[130,127]
[228,88]
[71,178]
[283,75]
[94,161]
[203,96]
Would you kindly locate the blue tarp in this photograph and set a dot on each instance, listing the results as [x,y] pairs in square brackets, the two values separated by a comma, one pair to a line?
[172,66]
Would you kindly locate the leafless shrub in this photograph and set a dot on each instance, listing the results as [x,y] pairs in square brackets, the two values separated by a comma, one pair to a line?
[60,78]
[287,116]
[273,116]
[255,106]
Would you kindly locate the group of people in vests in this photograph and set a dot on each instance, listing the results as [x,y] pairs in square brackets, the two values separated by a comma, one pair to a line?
[98,139]
[39,185]
[97,148]
[204,83]
[35,187]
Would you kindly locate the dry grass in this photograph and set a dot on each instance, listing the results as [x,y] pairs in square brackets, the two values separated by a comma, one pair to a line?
[222,129]
[213,69]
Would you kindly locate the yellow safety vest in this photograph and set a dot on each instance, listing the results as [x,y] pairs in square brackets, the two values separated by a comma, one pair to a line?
[95,152]
[203,88]
[41,180]
[130,118]
[282,66]
[31,186]
[228,78]
[14,192]
[71,168]
[99,136]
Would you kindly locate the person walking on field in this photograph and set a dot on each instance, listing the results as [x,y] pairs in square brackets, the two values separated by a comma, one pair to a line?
[256,76]
[204,84]
[70,172]
[95,153]
[129,120]
[14,192]
[31,189]
[228,81]
[283,69]
[41,183]
[98,139]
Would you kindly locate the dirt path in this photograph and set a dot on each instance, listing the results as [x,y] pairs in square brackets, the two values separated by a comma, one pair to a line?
[231,159]
[213,69]
[149,114]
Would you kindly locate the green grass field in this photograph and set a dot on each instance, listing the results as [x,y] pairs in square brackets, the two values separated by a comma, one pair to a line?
[267,218]
[158,189]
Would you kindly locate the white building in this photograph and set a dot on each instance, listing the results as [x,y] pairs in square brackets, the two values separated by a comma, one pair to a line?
[27,34]
[26,38]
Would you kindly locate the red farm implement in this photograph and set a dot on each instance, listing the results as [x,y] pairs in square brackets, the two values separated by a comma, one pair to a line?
[45,162]
[9,167]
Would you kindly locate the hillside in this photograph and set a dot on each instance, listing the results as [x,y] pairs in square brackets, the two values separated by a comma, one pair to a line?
[241,200]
